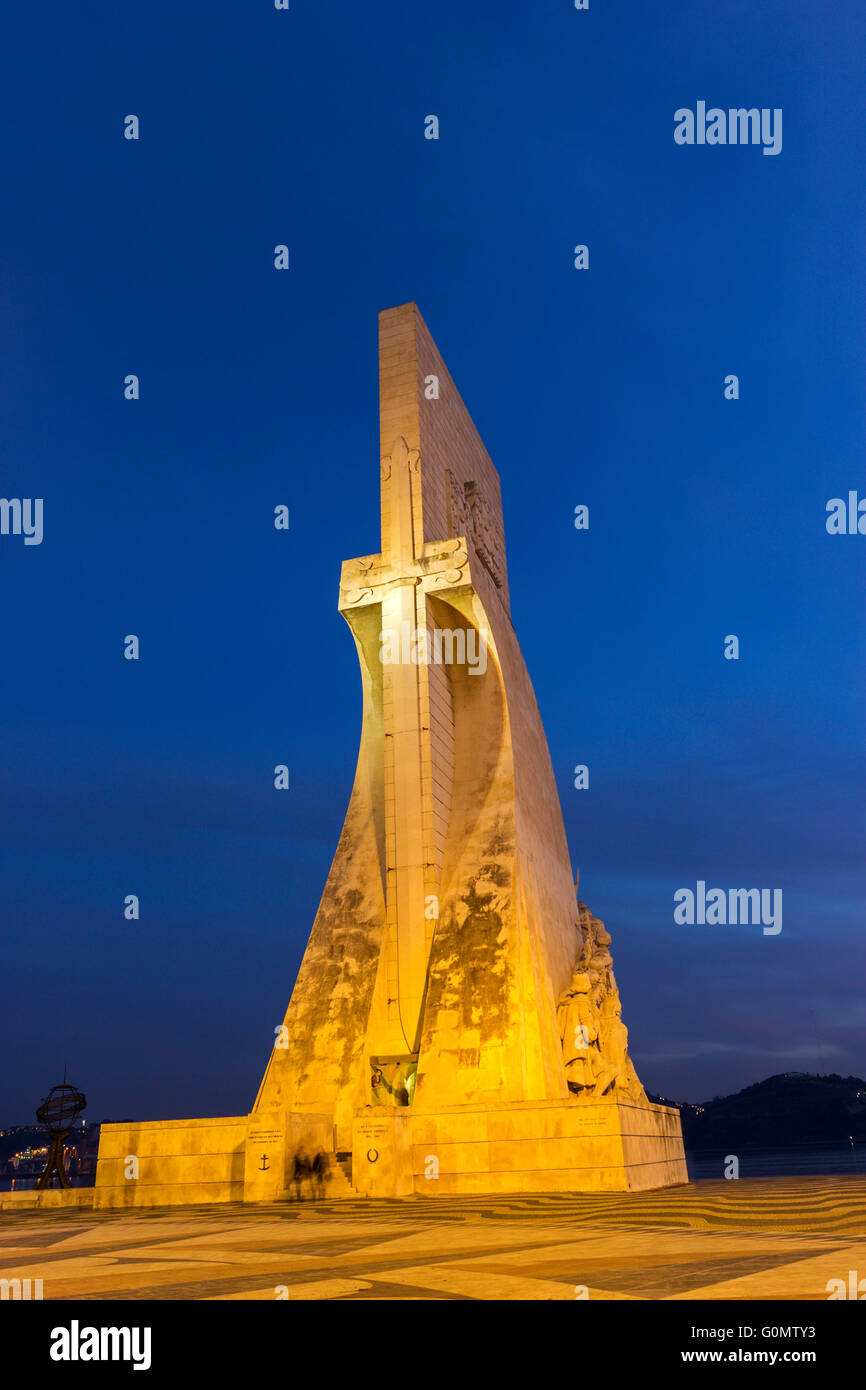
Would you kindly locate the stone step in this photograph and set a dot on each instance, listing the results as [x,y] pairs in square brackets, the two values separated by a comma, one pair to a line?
[338,1185]
[340,1180]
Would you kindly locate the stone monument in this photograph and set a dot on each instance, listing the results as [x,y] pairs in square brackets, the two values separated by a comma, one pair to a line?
[455,1025]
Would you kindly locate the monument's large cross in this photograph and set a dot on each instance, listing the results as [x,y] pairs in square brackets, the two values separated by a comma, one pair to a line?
[397,583]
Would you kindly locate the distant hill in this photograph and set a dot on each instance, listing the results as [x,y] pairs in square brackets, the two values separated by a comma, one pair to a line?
[785,1111]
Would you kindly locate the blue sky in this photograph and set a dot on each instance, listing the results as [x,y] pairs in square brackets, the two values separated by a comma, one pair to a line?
[602,387]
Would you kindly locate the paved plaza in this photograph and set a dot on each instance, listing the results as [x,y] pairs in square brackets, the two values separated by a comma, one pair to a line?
[748,1239]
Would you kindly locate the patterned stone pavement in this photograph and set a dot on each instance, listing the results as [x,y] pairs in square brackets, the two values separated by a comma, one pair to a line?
[750,1239]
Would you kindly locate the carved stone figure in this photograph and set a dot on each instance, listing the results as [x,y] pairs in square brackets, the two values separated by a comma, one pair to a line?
[594,1037]
[613,1035]
[392,1083]
[578,1028]
[586,1067]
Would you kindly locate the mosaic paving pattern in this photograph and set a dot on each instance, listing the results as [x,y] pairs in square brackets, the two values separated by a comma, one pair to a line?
[752,1239]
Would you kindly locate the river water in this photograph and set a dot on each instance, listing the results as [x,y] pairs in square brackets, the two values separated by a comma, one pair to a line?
[791,1163]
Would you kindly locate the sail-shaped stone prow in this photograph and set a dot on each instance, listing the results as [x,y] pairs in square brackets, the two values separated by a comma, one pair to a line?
[429,1004]
[455,1024]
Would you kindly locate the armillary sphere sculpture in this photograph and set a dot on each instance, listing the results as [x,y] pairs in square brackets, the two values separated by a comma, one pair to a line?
[58,1113]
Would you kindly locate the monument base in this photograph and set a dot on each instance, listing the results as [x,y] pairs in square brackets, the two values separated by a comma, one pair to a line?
[604,1145]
